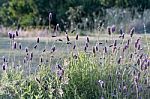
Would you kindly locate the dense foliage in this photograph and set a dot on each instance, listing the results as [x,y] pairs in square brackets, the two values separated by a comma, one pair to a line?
[35,12]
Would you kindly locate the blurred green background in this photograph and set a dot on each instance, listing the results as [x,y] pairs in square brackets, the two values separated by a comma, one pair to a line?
[84,14]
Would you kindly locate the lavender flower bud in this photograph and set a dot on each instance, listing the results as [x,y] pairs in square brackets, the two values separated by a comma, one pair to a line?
[10,35]
[132,32]
[74,47]
[35,46]
[105,49]
[41,59]
[67,38]
[13,36]
[53,48]
[20,46]
[113,29]
[115,43]
[26,49]
[109,30]
[15,45]
[38,40]
[85,48]
[77,36]
[4,66]
[94,51]
[4,59]
[87,39]
[17,33]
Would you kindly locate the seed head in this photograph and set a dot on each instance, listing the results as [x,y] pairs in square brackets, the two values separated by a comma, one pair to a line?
[113,28]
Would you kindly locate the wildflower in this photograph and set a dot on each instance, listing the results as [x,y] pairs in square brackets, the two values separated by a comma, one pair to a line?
[67,38]
[20,46]
[10,35]
[100,43]
[139,47]
[4,59]
[41,59]
[119,61]
[96,47]
[85,48]
[74,47]
[141,56]
[59,66]
[38,40]
[15,45]
[77,36]
[44,50]
[4,66]
[109,30]
[69,43]
[87,39]
[60,40]
[132,32]
[25,60]
[13,36]
[60,73]
[86,44]
[31,55]
[115,43]
[75,56]
[105,49]
[17,33]
[35,46]
[136,79]
[138,61]
[128,42]
[73,30]
[121,31]
[26,49]
[113,28]
[53,35]
[53,48]
[125,89]
[94,51]
[131,55]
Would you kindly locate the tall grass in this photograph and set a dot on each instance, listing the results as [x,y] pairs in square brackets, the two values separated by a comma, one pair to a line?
[116,68]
